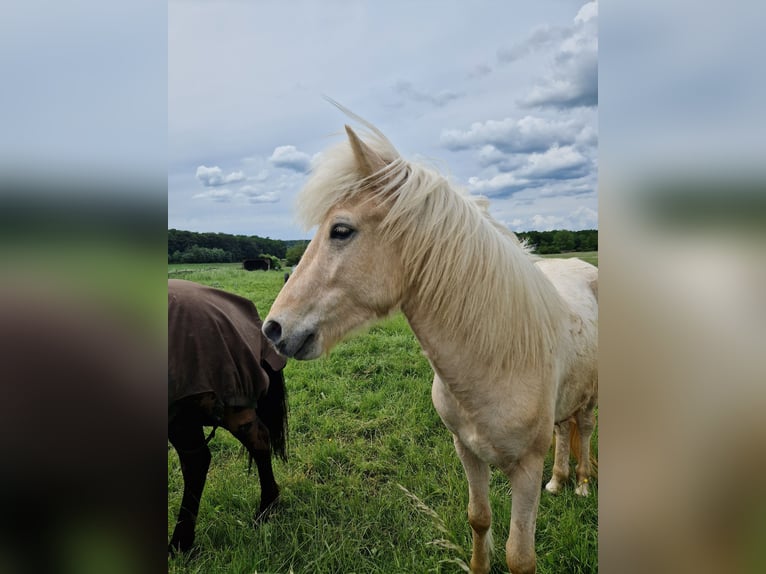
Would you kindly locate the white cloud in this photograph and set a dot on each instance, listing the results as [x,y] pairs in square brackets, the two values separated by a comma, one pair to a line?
[528,134]
[539,39]
[256,194]
[218,195]
[315,159]
[556,162]
[574,84]
[213,176]
[267,197]
[289,157]
[500,185]
[554,188]
[262,175]
[587,13]
[588,137]
[534,170]
[573,80]
[548,156]
[489,155]
[584,218]
[558,172]
[581,218]
[245,194]
[547,222]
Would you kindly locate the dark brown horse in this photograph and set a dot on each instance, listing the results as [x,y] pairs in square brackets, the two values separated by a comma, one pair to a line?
[221,372]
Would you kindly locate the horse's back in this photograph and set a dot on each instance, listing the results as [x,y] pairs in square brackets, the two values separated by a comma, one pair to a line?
[215,345]
[577,283]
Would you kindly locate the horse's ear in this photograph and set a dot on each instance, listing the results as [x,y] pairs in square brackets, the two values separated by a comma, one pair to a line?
[366,159]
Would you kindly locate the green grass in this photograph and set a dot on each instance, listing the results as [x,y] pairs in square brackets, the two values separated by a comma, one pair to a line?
[361,424]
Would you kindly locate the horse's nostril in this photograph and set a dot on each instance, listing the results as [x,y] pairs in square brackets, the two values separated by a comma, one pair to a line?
[273,331]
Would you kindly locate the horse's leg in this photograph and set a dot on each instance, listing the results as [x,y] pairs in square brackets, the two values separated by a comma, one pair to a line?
[479,511]
[525,477]
[269,487]
[189,441]
[586,423]
[245,425]
[560,457]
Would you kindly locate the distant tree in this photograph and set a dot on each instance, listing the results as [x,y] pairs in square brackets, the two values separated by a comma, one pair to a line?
[238,247]
[294,253]
[559,240]
[563,240]
[592,240]
[197,254]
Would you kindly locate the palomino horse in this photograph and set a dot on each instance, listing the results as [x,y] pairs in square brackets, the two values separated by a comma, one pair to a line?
[512,340]
[221,372]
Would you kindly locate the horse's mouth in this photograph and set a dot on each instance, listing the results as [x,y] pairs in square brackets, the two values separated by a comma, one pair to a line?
[306,350]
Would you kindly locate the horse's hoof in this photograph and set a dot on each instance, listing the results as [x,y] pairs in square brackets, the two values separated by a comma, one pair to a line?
[179,547]
[553,487]
[265,511]
[582,489]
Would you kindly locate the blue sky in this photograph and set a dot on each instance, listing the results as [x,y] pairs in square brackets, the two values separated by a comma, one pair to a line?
[500,96]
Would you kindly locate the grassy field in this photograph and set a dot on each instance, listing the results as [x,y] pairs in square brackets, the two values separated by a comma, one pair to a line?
[372,483]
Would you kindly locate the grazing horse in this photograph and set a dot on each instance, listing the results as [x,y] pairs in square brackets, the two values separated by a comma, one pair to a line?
[221,372]
[511,339]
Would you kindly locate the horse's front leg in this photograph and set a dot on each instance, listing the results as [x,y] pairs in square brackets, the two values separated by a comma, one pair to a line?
[525,477]
[269,487]
[245,425]
[479,511]
[194,454]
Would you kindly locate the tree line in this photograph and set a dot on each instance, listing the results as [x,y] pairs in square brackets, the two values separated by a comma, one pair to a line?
[561,240]
[193,247]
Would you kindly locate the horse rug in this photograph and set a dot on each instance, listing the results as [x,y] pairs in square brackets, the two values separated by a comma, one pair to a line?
[215,346]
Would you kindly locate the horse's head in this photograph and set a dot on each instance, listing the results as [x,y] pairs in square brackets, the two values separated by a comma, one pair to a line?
[351,272]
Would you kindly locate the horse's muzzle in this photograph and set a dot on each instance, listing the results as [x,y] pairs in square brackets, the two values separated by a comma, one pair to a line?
[300,344]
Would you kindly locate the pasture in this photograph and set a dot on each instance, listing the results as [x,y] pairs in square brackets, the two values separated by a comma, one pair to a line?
[373,483]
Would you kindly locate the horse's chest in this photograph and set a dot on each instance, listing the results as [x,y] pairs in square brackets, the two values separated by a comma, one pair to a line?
[472,426]
[452,413]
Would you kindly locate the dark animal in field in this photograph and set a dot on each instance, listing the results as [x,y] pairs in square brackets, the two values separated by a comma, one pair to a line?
[221,372]
[258,264]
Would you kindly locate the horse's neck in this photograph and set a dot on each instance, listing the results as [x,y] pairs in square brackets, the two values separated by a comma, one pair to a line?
[480,345]
[447,357]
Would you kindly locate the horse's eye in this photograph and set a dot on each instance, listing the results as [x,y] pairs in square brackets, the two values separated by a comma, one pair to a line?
[341,231]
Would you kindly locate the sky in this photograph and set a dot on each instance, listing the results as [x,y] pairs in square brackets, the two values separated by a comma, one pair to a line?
[499,96]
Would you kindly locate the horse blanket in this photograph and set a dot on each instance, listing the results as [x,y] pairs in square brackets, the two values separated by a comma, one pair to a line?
[215,346]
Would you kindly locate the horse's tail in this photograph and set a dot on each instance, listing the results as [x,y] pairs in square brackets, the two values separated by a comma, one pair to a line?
[272,410]
[574,447]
